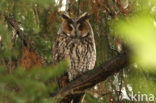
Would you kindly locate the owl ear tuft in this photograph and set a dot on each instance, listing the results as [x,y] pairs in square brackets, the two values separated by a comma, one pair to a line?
[83,17]
[66,17]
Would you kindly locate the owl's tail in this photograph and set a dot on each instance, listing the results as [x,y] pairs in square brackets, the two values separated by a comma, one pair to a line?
[78,98]
[75,98]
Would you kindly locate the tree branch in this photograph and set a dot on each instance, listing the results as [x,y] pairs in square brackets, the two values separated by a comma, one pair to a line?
[14,24]
[92,77]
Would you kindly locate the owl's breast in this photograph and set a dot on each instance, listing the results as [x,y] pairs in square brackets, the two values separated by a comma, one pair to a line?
[82,57]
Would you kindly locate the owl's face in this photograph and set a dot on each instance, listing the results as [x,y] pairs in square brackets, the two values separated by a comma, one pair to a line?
[76,27]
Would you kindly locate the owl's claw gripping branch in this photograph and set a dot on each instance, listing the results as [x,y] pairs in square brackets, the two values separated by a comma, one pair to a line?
[92,77]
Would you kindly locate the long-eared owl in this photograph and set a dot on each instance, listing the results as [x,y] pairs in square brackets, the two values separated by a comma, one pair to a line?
[75,43]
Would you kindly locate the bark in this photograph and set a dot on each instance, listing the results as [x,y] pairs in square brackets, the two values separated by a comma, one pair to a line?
[97,75]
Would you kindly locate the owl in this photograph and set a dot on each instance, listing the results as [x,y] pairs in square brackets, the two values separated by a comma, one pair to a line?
[75,43]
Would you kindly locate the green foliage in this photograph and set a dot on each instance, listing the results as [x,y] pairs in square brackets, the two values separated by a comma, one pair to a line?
[144,84]
[40,21]
[34,85]
[89,98]
[22,86]
[33,17]
[139,32]
[7,49]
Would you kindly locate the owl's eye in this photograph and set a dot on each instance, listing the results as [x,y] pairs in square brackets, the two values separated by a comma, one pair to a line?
[69,27]
[80,27]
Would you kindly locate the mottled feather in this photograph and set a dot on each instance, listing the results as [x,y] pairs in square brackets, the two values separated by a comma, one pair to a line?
[75,43]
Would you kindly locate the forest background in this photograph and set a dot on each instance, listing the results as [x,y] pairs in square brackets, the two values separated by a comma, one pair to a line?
[29,27]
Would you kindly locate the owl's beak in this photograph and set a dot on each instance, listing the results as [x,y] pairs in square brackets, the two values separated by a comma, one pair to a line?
[74,34]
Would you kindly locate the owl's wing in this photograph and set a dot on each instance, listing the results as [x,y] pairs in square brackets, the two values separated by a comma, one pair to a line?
[58,54]
[58,49]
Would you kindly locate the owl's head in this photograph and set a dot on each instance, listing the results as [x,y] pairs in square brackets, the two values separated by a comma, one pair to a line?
[76,27]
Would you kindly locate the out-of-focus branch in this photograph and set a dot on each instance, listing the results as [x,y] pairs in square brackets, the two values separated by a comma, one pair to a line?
[14,24]
[92,77]
[28,57]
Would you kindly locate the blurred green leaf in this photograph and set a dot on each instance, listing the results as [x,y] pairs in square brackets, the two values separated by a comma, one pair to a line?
[22,84]
[140,33]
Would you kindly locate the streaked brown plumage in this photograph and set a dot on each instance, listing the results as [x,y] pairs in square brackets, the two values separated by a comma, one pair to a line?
[75,43]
